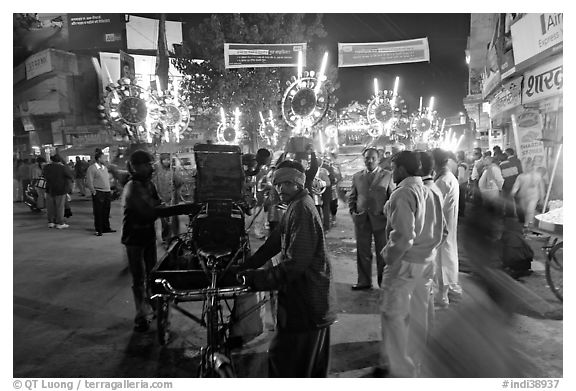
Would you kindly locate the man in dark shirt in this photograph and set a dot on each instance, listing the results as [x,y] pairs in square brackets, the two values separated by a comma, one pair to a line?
[58,177]
[303,278]
[139,200]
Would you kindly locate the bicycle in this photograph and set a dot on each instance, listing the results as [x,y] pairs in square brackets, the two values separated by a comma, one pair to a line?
[554,266]
[189,271]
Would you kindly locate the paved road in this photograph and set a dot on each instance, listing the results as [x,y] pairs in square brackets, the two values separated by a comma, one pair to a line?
[73,310]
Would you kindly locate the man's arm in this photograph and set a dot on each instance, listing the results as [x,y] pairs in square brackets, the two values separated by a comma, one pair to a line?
[90,179]
[353,196]
[303,241]
[271,247]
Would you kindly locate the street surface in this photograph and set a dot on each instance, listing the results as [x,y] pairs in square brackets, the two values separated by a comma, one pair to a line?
[73,310]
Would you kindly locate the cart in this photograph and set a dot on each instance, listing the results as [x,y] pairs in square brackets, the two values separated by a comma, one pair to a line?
[198,264]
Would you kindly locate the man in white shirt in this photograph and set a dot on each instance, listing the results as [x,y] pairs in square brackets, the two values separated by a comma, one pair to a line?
[98,182]
[415,229]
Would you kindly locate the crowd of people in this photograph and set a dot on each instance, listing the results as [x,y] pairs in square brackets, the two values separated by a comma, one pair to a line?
[407,203]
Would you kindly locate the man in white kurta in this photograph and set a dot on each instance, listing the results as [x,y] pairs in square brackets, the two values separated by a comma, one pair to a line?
[447,259]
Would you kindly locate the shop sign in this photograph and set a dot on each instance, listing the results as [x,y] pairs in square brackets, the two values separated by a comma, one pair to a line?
[240,55]
[543,82]
[89,139]
[38,64]
[551,105]
[491,76]
[383,53]
[508,97]
[536,36]
[527,127]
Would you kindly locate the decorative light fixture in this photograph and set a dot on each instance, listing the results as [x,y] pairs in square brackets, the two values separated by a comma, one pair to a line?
[307,98]
[229,132]
[385,111]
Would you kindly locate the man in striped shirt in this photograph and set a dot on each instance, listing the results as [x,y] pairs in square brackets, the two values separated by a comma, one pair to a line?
[303,278]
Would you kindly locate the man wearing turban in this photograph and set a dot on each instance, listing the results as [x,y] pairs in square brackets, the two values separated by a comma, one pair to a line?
[303,278]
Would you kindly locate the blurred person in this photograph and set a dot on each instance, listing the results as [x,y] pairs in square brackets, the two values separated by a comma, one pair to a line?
[371,188]
[463,176]
[528,190]
[510,167]
[477,170]
[98,182]
[328,194]
[37,178]
[303,277]
[446,278]
[476,338]
[319,189]
[139,200]
[452,163]
[415,230]
[24,176]
[168,181]
[80,176]
[17,193]
[490,184]
[498,155]
[58,177]
[338,178]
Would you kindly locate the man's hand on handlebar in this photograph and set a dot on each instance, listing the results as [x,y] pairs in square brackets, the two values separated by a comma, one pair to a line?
[246,277]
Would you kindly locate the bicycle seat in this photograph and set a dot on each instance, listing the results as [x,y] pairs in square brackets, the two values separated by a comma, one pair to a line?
[213,253]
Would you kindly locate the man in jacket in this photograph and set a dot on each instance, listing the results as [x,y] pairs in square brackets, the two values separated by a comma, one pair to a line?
[168,182]
[58,177]
[415,229]
[139,199]
[304,280]
[371,188]
[98,182]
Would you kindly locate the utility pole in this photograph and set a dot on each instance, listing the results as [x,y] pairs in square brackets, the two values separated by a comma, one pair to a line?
[162,58]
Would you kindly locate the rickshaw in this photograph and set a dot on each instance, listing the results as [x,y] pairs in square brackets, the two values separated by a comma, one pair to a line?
[197,264]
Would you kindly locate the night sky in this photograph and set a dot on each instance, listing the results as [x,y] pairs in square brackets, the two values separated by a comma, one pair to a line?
[445,77]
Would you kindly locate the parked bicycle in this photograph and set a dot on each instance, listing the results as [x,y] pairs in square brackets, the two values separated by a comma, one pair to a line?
[554,266]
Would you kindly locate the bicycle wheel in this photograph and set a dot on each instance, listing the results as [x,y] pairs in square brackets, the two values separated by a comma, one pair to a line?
[554,266]
[163,320]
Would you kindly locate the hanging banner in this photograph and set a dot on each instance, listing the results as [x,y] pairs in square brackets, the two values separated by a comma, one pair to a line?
[491,76]
[240,55]
[95,31]
[504,48]
[507,98]
[536,36]
[527,127]
[383,53]
[543,82]
[110,65]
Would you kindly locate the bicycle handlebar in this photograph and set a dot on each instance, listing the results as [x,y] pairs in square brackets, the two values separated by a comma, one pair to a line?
[228,292]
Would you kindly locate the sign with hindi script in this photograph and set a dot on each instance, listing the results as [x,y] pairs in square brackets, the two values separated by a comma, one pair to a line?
[543,82]
[382,53]
[241,55]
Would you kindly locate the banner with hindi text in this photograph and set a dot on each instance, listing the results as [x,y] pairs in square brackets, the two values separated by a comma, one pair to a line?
[383,53]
